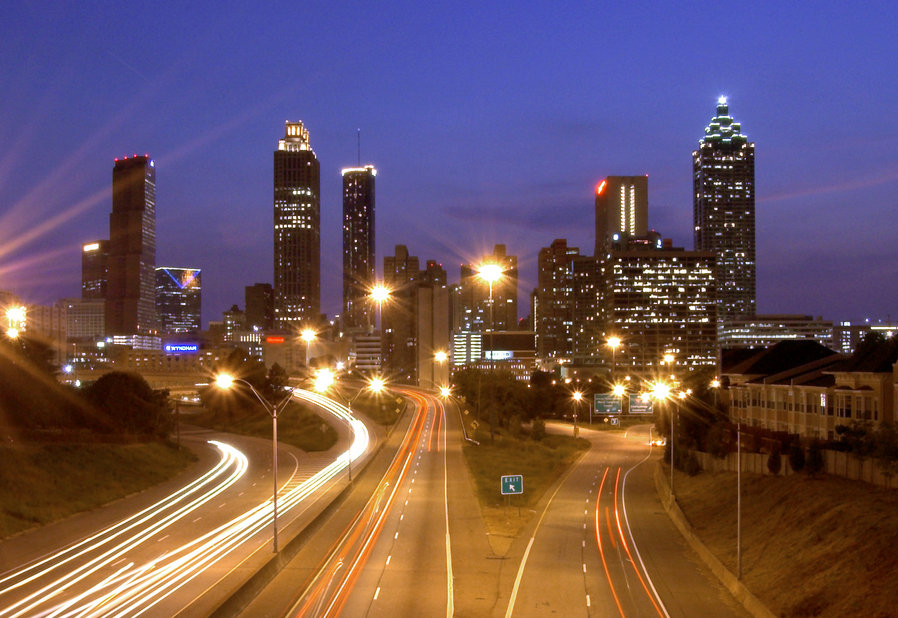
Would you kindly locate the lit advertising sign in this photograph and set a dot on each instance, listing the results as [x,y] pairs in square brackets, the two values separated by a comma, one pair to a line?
[499,355]
[181,348]
[640,405]
[274,339]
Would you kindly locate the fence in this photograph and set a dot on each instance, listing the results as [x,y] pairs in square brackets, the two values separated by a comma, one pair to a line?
[834,462]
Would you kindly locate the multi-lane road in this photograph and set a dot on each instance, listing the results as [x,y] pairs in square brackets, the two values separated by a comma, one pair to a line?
[179,545]
[407,541]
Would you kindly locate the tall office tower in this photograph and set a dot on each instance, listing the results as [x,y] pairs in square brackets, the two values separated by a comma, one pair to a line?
[622,207]
[259,300]
[358,244]
[661,300]
[589,314]
[94,269]
[297,230]
[724,211]
[131,289]
[179,299]
[553,305]
[474,295]
[401,274]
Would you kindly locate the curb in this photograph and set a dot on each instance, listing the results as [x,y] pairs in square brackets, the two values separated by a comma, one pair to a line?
[749,601]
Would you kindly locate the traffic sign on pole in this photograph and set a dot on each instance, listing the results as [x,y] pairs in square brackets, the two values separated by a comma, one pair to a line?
[512,484]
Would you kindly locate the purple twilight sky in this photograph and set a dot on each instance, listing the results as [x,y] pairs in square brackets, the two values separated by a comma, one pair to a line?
[487,124]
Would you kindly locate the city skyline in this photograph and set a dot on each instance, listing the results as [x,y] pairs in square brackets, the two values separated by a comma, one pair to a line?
[455,144]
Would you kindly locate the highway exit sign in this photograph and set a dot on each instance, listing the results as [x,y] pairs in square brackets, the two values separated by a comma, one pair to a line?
[512,484]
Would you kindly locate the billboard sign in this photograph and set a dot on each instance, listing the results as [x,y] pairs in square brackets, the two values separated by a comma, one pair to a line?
[181,348]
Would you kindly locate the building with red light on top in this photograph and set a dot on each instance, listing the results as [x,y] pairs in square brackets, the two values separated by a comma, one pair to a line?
[622,207]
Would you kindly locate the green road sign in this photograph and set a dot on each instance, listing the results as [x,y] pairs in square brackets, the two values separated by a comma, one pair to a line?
[512,484]
[638,405]
[607,404]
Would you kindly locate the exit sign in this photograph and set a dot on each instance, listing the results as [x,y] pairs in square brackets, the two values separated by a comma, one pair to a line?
[512,484]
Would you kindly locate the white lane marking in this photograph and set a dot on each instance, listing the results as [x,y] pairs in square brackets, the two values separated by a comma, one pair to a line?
[388,558]
[376,593]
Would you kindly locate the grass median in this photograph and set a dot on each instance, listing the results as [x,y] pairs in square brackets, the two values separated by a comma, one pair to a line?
[540,462]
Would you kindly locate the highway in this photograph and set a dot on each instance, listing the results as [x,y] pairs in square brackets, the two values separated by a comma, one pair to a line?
[603,546]
[172,547]
[394,558]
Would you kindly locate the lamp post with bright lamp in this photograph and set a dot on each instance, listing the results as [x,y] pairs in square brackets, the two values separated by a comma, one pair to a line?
[325,379]
[225,382]
[578,397]
[308,335]
[613,343]
[490,273]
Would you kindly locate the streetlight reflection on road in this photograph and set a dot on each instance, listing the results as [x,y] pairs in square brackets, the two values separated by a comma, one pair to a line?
[225,381]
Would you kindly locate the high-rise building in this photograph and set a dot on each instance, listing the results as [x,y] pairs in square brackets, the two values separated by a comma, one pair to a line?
[401,274]
[297,229]
[724,211]
[179,299]
[358,244]
[94,270]
[259,306]
[661,300]
[131,288]
[622,207]
[553,312]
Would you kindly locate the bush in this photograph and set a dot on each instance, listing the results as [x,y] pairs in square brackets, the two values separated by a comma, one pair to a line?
[538,429]
[691,465]
[796,457]
[814,464]
[774,462]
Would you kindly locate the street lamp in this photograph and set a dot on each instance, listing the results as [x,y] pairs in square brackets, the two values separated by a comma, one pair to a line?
[308,335]
[578,397]
[490,273]
[380,294]
[225,382]
[661,391]
[715,384]
[613,343]
[15,320]
[619,390]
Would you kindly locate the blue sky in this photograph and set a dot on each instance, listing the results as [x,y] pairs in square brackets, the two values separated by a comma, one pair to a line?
[488,124]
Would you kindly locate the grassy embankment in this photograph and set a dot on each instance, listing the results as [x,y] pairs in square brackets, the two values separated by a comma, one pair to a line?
[540,462]
[810,546]
[40,483]
[297,426]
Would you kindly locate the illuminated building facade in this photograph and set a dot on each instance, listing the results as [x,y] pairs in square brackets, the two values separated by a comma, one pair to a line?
[297,229]
[622,207]
[259,299]
[553,312]
[661,300]
[94,270]
[179,299]
[358,244]
[724,211]
[768,330]
[131,287]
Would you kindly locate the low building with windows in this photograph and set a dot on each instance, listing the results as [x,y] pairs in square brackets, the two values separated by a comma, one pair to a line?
[804,388]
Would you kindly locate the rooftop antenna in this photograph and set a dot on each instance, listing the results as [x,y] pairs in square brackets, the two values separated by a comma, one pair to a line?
[359,136]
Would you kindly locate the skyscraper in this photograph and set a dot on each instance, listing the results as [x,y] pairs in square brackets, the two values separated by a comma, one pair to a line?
[297,229]
[94,269]
[622,207]
[554,307]
[179,299]
[131,288]
[358,244]
[724,211]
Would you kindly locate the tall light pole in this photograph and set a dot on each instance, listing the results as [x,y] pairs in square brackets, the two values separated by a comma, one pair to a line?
[308,335]
[660,391]
[490,273]
[225,381]
[325,379]
[15,319]
[715,384]
[379,294]
[578,397]
[613,343]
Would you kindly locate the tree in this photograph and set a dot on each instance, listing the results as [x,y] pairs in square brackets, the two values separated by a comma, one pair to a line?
[796,457]
[814,463]
[774,461]
[130,406]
